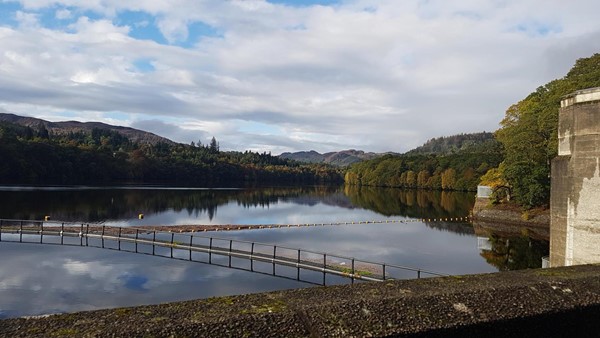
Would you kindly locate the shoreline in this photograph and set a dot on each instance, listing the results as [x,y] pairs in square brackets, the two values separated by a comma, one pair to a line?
[509,220]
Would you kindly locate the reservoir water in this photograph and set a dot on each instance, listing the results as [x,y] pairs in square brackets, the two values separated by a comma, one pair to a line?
[39,279]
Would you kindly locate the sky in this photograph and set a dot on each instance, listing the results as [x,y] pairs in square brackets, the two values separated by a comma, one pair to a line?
[283,75]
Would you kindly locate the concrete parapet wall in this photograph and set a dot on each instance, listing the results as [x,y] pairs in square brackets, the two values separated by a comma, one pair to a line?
[559,302]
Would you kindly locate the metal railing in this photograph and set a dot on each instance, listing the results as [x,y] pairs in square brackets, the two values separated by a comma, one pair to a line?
[280,261]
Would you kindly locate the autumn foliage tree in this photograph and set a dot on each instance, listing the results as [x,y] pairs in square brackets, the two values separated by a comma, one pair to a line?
[529,134]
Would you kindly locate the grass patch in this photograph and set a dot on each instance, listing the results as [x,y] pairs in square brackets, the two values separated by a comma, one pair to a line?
[220,300]
[122,311]
[552,273]
[65,332]
[357,273]
[272,307]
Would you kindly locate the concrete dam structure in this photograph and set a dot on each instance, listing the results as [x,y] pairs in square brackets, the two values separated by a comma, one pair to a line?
[575,192]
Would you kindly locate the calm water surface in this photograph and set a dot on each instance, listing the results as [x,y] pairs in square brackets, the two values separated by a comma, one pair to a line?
[38,279]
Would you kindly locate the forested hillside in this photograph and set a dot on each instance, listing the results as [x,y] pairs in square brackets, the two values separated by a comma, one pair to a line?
[342,158]
[446,145]
[69,127]
[455,171]
[35,156]
[529,135]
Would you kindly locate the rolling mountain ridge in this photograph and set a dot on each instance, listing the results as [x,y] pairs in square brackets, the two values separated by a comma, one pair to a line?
[339,158]
[62,128]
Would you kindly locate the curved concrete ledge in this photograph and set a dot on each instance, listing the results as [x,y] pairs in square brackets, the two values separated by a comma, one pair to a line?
[509,215]
[537,303]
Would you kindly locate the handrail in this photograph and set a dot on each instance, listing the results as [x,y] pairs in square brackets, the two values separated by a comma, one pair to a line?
[86,231]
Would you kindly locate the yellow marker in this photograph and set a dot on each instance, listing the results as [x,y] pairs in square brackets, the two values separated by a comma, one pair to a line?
[141,216]
[46,218]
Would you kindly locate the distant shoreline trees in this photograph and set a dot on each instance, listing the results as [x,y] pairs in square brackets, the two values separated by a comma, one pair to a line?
[449,171]
[102,156]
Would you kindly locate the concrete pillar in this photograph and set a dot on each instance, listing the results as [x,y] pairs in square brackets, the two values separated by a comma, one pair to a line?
[575,192]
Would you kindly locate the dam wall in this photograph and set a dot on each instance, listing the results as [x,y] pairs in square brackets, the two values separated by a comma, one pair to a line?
[575,189]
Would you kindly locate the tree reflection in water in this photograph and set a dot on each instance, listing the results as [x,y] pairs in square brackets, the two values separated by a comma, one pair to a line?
[102,204]
[515,253]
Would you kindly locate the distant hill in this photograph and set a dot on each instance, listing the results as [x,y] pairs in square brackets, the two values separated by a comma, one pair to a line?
[64,128]
[338,158]
[446,145]
[35,151]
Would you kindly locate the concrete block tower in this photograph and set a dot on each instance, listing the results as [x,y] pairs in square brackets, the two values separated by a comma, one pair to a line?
[575,192]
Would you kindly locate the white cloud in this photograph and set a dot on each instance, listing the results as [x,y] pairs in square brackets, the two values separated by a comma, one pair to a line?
[27,20]
[374,75]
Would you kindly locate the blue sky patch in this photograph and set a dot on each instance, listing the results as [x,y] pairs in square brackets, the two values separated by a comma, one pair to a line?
[142,26]
[196,31]
[117,115]
[253,127]
[134,282]
[144,65]
[538,29]
[7,13]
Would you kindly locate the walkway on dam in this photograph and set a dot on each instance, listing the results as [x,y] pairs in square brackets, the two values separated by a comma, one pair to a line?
[312,267]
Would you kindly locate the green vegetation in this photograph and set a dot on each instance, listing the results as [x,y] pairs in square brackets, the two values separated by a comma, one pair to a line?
[447,145]
[515,253]
[34,156]
[96,205]
[529,135]
[456,168]
[348,271]
[414,203]
[276,305]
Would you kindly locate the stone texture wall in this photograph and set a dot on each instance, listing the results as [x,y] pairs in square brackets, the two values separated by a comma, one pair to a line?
[559,302]
[575,195]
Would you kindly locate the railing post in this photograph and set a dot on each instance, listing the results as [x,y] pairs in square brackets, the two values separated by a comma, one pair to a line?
[172,243]
[210,251]
[119,239]
[191,243]
[102,236]
[87,234]
[42,233]
[383,271]
[21,232]
[298,266]
[230,245]
[352,277]
[153,242]
[137,233]
[274,255]
[324,267]
[419,274]
[81,235]
[252,257]
[0,230]
[62,233]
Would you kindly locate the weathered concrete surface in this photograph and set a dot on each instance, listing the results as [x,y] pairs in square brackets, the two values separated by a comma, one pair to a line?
[560,302]
[575,192]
